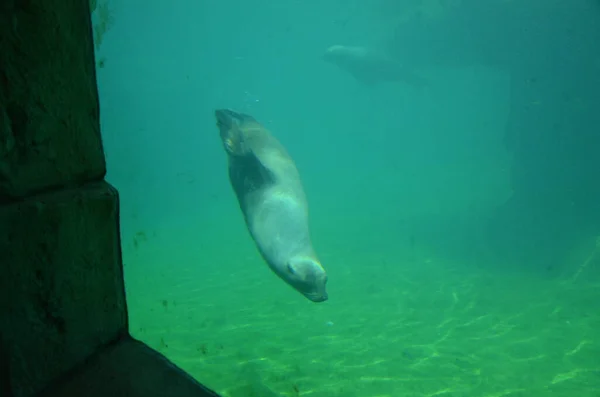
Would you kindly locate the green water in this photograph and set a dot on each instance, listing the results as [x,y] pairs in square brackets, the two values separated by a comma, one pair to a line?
[397,323]
[458,221]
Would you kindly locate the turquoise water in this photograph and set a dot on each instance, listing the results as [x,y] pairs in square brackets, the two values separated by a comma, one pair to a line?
[404,185]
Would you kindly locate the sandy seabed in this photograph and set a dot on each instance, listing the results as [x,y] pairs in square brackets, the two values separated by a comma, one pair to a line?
[395,325]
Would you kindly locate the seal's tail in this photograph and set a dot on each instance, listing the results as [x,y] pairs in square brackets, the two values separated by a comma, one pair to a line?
[229,116]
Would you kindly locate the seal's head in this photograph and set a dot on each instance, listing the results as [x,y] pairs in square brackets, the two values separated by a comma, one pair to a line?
[341,54]
[307,276]
[231,124]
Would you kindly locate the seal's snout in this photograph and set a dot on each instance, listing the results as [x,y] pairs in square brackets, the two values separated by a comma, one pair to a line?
[318,298]
[308,277]
[318,291]
[329,55]
[334,53]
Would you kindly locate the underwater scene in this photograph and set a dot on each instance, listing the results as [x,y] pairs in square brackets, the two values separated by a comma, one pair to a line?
[383,198]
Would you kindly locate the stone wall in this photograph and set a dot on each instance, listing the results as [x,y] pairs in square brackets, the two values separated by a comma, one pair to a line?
[63,315]
[61,287]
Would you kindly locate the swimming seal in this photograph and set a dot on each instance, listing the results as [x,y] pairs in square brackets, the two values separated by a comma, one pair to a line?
[270,194]
[371,67]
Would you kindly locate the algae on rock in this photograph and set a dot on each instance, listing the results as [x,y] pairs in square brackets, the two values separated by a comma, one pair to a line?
[103,20]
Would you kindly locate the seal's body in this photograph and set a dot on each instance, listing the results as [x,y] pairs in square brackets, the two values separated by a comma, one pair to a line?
[271,197]
[370,67]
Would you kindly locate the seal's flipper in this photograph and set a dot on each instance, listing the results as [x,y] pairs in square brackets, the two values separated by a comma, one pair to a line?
[233,141]
[249,174]
[233,115]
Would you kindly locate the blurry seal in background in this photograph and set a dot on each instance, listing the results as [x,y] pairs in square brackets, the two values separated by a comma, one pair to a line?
[370,67]
[272,199]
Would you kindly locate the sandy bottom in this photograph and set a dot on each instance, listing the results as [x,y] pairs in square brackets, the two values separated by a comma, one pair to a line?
[395,325]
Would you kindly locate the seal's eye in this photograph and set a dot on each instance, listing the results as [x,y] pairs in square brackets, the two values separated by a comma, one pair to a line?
[291,268]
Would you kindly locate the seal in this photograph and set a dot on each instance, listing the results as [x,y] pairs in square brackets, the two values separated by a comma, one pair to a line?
[370,67]
[270,194]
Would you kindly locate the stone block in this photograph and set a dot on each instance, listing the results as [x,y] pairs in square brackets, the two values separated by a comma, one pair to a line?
[128,369]
[62,292]
[49,112]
